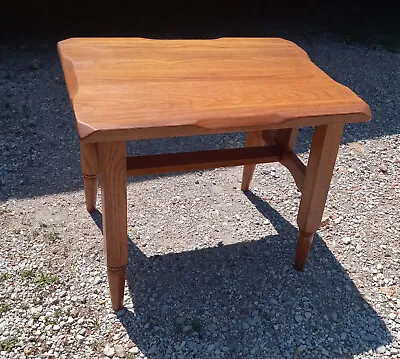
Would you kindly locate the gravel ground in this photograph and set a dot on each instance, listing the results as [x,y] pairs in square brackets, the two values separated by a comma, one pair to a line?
[209,272]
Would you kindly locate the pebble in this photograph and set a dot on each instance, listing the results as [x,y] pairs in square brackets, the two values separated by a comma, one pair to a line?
[80,338]
[108,351]
[334,316]
[346,240]
[134,350]
[119,351]
[325,220]
[97,280]
[383,167]
[298,318]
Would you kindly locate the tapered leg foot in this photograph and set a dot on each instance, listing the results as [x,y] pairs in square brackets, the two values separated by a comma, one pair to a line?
[112,162]
[89,164]
[90,188]
[324,148]
[248,171]
[304,241]
[116,282]
[253,139]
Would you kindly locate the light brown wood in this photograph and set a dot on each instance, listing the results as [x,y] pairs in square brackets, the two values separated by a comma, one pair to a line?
[190,161]
[287,138]
[89,164]
[296,167]
[324,149]
[128,88]
[112,159]
[253,139]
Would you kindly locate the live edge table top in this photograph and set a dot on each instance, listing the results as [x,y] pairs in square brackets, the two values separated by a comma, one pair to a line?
[129,88]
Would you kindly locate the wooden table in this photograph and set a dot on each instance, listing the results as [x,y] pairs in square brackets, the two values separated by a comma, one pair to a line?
[131,88]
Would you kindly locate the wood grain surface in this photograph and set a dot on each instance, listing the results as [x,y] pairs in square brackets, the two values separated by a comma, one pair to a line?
[128,88]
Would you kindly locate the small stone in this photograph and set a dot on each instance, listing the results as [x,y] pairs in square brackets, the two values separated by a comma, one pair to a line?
[134,350]
[80,338]
[337,220]
[346,240]
[379,266]
[210,348]
[383,168]
[97,280]
[357,147]
[381,349]
[74,312]
[119,351]
[307,315]
[63,293]
[108,351]
[298,318]
[301,348]
[325,219]
[334,316]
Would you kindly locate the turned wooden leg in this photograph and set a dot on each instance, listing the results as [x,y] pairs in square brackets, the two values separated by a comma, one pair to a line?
[89,164]
[324,149]
[253,139]
[112,162]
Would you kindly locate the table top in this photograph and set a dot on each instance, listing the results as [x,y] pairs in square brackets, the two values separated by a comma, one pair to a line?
[128,88]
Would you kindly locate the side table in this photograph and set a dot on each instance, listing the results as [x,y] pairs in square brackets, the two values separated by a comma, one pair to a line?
[131,88]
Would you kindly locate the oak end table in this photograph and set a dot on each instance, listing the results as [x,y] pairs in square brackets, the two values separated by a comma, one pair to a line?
[132,88]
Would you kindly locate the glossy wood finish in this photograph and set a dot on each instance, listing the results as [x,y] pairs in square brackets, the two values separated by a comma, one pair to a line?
[112,159]
[190,161]
[89,164]
[129,88]
[324,149]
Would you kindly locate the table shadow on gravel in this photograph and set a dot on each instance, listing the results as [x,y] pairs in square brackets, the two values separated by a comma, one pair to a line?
[246,301]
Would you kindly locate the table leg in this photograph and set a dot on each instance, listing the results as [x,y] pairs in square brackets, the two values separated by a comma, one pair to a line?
[253,139]
[89,164]
[324,149]
[112,156]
